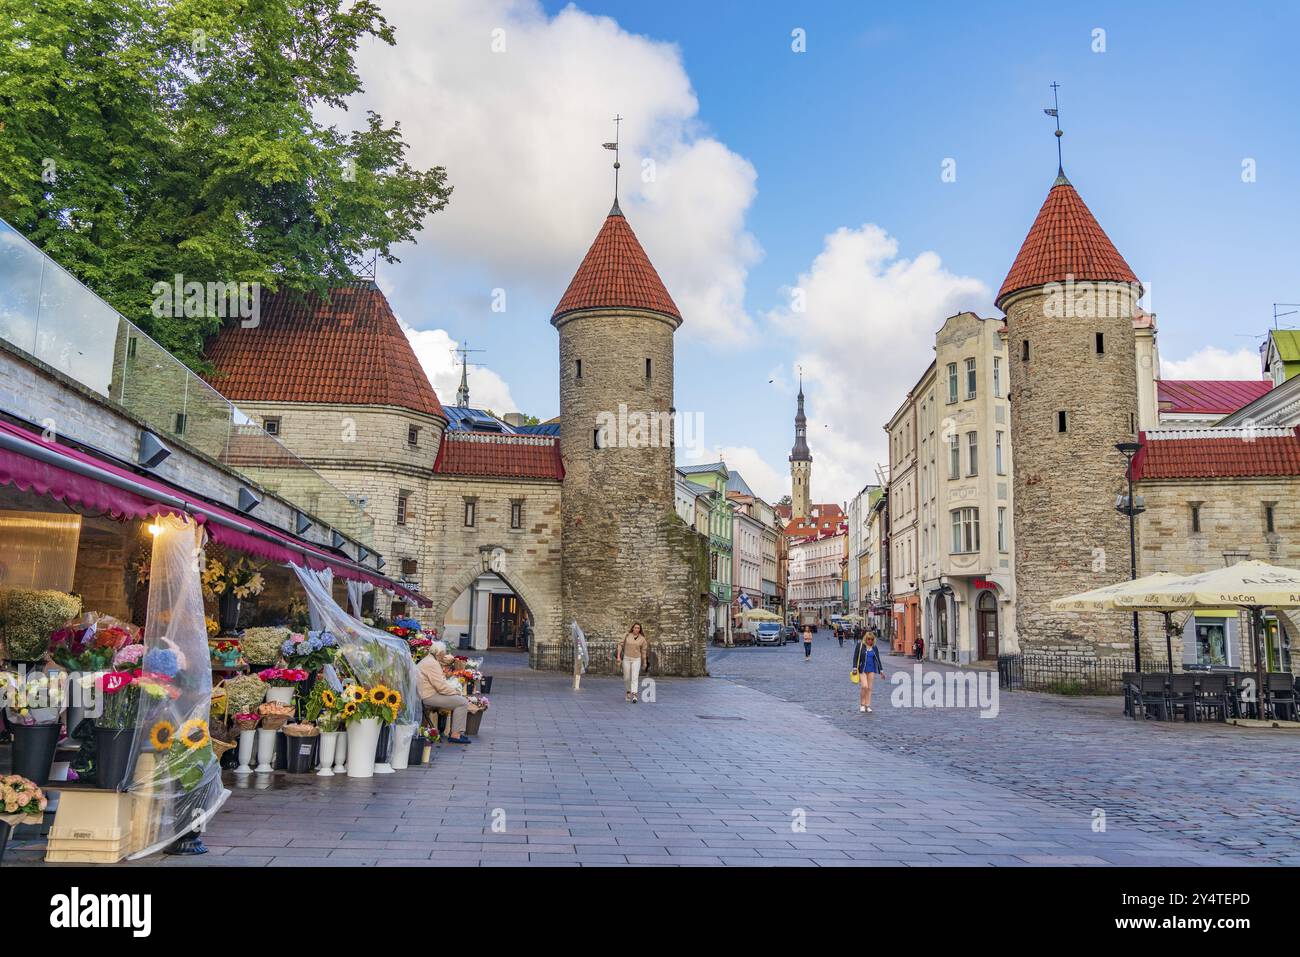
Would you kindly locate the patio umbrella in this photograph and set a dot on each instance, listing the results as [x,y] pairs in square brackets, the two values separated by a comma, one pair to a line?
[1104,599]
[1252,585]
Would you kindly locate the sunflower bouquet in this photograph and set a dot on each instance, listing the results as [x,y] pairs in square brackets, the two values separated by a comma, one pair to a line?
[378,701]
[184,751]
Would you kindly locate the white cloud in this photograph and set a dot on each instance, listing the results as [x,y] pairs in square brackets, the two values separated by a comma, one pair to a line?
[866,331]
[435,350]
[519,132]
[1211,362]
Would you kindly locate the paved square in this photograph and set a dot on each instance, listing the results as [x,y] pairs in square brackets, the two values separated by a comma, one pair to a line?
[769,763]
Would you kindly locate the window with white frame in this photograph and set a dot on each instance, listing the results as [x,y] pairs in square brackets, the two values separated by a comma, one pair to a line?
[997,377]
[971,379]
[998,462]
[965,530]
[1002,529]
[973,453]
[952,382]
[954,457]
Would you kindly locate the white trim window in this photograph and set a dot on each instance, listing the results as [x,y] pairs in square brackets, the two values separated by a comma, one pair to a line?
[972,378]
[954,457]
[973,450]
[997,377]
[998,462]
[1002,528]
[965,531]
[952,382]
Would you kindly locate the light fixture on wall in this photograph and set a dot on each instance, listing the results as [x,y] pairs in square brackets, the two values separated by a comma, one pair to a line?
[152,450]
[155,529]
[247,500]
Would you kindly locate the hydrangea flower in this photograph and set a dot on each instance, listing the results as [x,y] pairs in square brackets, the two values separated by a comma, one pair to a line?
[162,661]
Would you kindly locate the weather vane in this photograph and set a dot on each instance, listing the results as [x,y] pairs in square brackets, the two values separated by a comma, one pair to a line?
[1055,113]
[614,146]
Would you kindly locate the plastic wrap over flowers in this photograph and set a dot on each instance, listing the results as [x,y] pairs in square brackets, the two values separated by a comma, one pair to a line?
[174,764]
[374,657]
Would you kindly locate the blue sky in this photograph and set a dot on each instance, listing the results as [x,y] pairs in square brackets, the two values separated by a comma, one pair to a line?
[853,132]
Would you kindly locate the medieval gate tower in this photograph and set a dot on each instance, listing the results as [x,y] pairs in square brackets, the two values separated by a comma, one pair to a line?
[1070,300]
[626,556]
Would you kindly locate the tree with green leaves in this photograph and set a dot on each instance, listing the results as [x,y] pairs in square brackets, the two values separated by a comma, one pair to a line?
[145,139]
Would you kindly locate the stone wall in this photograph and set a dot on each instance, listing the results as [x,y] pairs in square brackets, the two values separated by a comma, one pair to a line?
[1232,521]
[627,556]
[1068,536]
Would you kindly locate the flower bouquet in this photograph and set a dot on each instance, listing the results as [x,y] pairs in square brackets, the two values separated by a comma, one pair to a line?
[304,729]
[244,693]
[478,702]
[236,576]
[128,655]
[37,698]
[225,653]
[282,677]
[89,646]
[28,616]
[379,702]
[246,721]
[420,647]
[21,796]
[274,715]
[261,646]
[311,651]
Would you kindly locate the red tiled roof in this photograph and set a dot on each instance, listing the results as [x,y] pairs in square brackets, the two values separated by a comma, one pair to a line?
[616,272]
[347,350]
[492,454]
[1065,241]
[1209,396]
[1201,456]
[825,519]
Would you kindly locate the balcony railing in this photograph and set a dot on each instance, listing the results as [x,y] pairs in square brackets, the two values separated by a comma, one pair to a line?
[48,314]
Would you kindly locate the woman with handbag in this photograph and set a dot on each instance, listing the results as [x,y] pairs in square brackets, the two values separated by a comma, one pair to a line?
[867,664]
[632,651]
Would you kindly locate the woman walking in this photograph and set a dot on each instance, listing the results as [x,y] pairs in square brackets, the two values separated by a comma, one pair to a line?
[632,651]
[867,663]
[807,642]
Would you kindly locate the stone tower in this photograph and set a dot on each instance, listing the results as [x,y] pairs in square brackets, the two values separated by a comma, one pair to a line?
[1069,300]
[800,464]
[626,556]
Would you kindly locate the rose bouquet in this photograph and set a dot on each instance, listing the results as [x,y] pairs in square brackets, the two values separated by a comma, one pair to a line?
[88,646]
[21,796]
[282,677]
[419,648]
[128,655]
[246,721]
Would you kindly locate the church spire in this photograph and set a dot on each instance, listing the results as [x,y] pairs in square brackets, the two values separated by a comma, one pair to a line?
[800,451]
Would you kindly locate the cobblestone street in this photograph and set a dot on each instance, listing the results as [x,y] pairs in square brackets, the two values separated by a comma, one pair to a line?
[722,771]
[1219,788]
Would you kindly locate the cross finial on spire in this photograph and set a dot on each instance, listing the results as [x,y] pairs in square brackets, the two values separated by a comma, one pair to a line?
[1055,113]
[462,394]
[615,211]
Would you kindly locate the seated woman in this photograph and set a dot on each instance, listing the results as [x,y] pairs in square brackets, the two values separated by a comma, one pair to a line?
[439,693]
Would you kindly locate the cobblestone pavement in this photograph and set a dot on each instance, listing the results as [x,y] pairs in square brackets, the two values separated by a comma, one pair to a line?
[1211,786]
[715,772]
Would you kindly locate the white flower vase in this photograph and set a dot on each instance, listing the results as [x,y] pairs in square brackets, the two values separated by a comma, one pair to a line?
[265,751]
[363,738]
[341,753]
[246,739]
[400,755]
[280,695]
[328,745]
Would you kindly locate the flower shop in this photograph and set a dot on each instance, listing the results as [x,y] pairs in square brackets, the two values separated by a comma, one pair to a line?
[155,640]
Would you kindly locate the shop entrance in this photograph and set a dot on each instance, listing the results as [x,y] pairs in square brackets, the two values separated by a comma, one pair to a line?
[505,622]
[987,614]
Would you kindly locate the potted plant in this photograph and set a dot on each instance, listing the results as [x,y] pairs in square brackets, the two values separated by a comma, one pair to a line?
[282,683]
[35,702]
[231,580]
[261,646]
[28,616]
[24,803]
[115,728]
[225,653]
[422,742]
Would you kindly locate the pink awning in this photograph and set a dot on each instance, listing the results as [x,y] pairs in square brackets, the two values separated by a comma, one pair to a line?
[32,464]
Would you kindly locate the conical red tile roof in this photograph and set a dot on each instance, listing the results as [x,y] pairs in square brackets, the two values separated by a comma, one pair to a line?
[1065,241]
[348,349]
[616,272]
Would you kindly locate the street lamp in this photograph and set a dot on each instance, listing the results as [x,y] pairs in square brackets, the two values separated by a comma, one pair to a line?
[1132,507]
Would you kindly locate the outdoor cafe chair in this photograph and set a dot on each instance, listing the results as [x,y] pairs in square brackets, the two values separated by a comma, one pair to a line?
[1281,694]
[1182,695]
[1153,695]
[1212,695]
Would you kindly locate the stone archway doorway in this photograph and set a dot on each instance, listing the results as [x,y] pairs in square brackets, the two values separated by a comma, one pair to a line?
[486,608]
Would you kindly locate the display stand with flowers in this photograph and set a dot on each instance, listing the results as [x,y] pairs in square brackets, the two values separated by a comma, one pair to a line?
[282,683]
[478,705]
[115,728]
[365,712]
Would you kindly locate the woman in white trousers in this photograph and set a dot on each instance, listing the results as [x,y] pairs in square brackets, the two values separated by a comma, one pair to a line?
[632,651]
